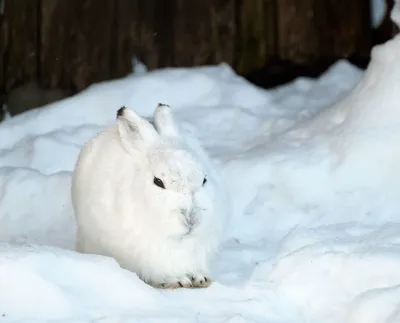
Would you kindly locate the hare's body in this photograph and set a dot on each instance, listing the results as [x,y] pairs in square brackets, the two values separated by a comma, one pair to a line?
[151,200]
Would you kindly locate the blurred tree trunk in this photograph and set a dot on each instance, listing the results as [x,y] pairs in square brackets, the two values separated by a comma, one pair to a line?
[310,30]
[75,37]
[256,34]
[19,36]
[72,44]
[3,46]
[203,32]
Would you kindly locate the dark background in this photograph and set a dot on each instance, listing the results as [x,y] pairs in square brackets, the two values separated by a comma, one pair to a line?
[50,49]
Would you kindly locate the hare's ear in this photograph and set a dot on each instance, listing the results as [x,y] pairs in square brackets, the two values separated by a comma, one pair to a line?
[164,121]
[136,133]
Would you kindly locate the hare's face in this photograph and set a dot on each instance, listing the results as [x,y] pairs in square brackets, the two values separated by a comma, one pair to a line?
[175,181]
[171,182]
[175,169]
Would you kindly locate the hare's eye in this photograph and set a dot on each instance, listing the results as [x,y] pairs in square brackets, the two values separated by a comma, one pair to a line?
[158,182]
[204,180]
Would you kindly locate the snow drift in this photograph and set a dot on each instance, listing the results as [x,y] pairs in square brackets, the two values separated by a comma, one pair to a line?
[313,169]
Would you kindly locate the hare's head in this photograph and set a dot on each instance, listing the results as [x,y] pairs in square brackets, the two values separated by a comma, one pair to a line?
[172,173]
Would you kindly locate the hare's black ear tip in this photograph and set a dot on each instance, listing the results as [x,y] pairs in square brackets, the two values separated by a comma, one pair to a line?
[120,111]
[162,105]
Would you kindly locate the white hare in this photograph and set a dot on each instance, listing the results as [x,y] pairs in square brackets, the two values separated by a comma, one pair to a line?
[149,197]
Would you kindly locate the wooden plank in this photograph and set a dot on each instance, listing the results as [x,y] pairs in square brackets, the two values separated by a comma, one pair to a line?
[203,32]
[223,26]
[256,34]
[310,30]
[125,41]
[158,34]
[20,28]
[75,42]
[344,28]
[164,32]
[192,33]
[99,39]
[144,30]
[3,47]
[297,28]
[90,41]
[151,35]
[54,41]
[85,41]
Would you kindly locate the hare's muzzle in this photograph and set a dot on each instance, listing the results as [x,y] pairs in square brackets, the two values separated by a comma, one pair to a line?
[189,218]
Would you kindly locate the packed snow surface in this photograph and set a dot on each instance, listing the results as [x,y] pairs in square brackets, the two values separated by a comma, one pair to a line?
[313,169]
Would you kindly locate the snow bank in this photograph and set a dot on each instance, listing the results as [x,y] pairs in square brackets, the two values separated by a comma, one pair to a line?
[37,285]
[313,169]
[378,10]
[395,13]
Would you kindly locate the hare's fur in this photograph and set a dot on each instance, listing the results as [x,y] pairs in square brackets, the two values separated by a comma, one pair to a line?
[168,236]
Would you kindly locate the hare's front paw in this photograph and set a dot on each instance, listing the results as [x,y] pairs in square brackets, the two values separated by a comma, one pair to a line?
[180,282]
[187,281]
[200,281]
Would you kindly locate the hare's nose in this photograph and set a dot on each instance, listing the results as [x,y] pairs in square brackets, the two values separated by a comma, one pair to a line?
[189,217]
[185,212]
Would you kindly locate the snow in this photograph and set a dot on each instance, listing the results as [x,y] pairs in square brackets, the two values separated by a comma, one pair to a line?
[312,167]
[395,13]
[378,11]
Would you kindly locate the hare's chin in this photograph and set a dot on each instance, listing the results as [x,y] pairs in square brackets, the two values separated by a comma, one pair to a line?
[190,227]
